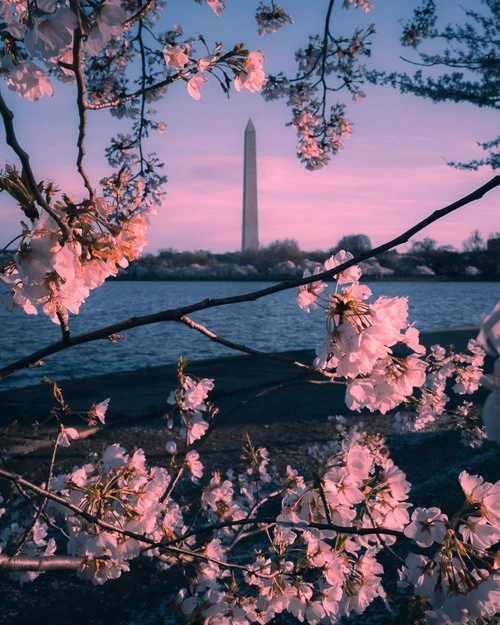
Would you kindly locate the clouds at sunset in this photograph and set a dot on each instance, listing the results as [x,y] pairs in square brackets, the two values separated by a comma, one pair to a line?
[391,173]
[316,208]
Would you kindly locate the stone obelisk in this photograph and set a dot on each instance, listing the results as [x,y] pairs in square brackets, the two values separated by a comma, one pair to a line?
[250,238]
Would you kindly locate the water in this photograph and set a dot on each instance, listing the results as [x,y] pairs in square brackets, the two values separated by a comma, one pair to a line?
[273,323]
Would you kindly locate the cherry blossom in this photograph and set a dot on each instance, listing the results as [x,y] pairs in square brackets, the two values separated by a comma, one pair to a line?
[194,85]
[271,18]
[59,277]
[217,6]
[66,435]
[427,526]
[27,79]
[489,339]
[52,34]
[97,412]
[176,57]
[308,293]
[109,19]
[320,534]
[252,77]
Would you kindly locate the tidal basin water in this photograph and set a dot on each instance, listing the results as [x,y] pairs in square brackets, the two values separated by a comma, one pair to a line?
[273,323]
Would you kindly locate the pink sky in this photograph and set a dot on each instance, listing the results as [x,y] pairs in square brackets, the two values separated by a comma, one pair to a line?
[391,174]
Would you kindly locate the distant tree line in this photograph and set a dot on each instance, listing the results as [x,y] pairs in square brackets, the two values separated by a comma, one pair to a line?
[478,255]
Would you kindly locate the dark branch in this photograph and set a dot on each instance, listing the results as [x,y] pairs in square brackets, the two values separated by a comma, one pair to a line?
[176,314]
[8,117]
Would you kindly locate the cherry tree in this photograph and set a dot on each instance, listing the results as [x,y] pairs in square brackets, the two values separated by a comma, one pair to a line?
[469,55]
[320,535]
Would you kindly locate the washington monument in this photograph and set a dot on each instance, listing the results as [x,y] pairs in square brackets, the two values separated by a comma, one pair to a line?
[250,236]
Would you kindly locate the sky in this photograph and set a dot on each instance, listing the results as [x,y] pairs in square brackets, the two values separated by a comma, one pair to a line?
[391,174]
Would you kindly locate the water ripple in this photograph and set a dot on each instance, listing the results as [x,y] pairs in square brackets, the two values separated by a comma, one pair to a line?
[274,323]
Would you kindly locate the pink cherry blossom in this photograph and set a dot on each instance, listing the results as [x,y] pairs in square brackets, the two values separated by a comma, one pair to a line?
[176,57]
[252,77]
[308,293]
[427,526]
[109,19]
[194,464]
[51,34]
[29,81]
[217,6]
[207,61]
[98,411]
[348,275]
[66,435]
[194,85]
[478,532]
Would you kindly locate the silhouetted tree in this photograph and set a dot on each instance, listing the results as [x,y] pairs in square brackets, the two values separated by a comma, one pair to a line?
[423,247]
[470,55]
[354,243]
[279,251]
[474,243]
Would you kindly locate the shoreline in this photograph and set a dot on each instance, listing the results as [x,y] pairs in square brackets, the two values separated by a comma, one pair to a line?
[145,391]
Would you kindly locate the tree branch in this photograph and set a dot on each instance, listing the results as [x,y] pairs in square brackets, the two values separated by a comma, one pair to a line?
[191,323]
[40,563]
[79,71]
[12,141]
[131,96]
[176,314]
[43,562]
[139,15]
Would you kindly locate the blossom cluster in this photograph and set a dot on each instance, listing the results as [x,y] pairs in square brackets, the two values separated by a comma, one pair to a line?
[363,346]
[190,401]
[465,371]
[57,274]
[326,64]
[316,557]
[39,39]
[460,582]
[74,246]
[39,42]
[271,18]
[248,67]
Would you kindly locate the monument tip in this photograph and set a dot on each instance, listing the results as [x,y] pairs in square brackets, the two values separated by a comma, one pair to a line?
[250,125]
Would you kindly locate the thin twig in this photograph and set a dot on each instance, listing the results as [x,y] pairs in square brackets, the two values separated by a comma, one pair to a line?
[177,313]
[96,106]
[139,15]
[79,71]
[194,325]
[323,499]
[62,316]
[266,391]
[8,117]
[39,512]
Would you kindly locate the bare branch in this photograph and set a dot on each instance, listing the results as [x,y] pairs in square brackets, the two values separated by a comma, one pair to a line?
[95,106]
[191,323]
[78,68]
[40,563]
[12,141]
